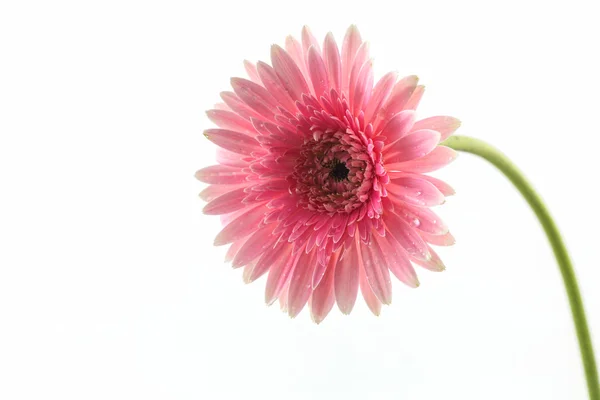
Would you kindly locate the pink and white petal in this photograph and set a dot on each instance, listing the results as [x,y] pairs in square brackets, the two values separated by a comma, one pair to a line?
[362,55]
[346,280]
[248,268]
[228,158]
[372,301]
[422,219]
[415,191]
[238,106]
[381,92]
[317,72]
[211,192]
[233,141]
[439,240]
[294,49]
[442,186]
[397,261]
[397,100]
[398,126]
[363,87]
[406,237]
[251,71]
[323,296]
[230,120]
[279,276]
[283,297]
[376,272]
[255,246]
[445,125]
[272,256]
[233,249]
[414,145]
[434,264]
[438,158]
[352,41]
[415,98]
[300,283]
[241,227]
[308,39]
[272,83]
[221,175]
[331,56]
[256,97]
[226,203]
[289,74]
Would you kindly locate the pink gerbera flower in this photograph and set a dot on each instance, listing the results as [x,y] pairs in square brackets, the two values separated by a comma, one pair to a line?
[321,177]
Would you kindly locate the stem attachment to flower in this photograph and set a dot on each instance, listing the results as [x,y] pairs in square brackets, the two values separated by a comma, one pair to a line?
[500,161]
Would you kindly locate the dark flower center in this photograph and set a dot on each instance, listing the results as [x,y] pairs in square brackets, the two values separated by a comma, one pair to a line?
[339,171]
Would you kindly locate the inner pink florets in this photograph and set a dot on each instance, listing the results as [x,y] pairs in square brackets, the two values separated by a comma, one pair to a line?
[334,172]
[337,167]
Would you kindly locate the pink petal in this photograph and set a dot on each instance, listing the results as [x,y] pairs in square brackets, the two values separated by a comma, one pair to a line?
[294,49]
[271,82]
[230,120]
[423,219]
[320,268]
[331,55]
[228,202]
[288,72]
[317,72]
[438,158]
[248,268]
[256,244]
[406,236]
[346,280]
[398,126]
[376,272]
[251,71]
[238,106]
[213,191]
[323,297]
[397,261]
[283,297]
[255,96]
[380,94]
[445,125]
[352,42]
[442,186]
[308,39]
[362,55]
[434,264]
[271,256]
[226,157]
[233,141]
[397,100]
[279,276]
[300,283]
[360,93]
[233,249]
[439,240]
[221,175]
[414,145]
[415,191]
[241,227]
[372,301]
[415,98]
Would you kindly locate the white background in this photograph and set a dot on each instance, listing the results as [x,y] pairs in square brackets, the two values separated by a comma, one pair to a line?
[110,287]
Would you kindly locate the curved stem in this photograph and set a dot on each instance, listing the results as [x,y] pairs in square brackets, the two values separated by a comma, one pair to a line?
[500,161]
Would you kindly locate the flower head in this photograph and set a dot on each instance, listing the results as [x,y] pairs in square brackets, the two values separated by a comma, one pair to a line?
[321,178]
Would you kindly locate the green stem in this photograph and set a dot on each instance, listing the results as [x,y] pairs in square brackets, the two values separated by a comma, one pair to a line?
[500,161]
